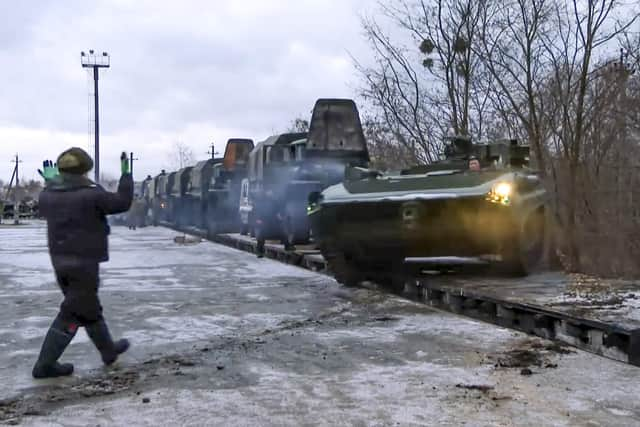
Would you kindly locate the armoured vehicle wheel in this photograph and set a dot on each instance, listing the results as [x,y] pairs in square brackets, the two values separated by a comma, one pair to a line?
[258,232]
[295,235]
[394,283]
[525,255]
[344,273]
[211,227]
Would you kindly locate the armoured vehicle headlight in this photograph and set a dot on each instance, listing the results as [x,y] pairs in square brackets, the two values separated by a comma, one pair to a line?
[501,193]
[314,202]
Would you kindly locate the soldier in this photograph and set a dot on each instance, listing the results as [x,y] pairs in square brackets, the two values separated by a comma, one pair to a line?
[135,216]
[75,209]
[474,164]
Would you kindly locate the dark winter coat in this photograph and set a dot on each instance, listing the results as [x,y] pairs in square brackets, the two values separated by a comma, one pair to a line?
[75,209]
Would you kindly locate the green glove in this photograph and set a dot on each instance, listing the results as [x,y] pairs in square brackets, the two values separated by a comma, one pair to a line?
[49,170]
[124,163]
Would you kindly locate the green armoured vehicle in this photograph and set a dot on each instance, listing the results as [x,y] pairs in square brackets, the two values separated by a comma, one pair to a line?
[481,203]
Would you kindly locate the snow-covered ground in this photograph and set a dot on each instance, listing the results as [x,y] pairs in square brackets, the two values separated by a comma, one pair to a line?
[222,338]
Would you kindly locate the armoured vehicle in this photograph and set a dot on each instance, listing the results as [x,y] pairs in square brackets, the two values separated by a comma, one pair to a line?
[264,191]
[223,192]
[179,199]
[198,192]
[375,226]
[285,169]
[335,140]
[162,204]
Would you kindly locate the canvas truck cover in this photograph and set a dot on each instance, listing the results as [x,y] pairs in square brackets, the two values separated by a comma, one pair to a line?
[259,156]
[335,126]
[165,182]
[237,152]
[181,181]
[201,177]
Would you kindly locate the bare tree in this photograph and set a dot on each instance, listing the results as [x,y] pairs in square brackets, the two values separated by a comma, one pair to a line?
[581,29]
[447,31]
[397,98]
[385,152]
[512,50]
[427,87]
[181,155]
[298,125]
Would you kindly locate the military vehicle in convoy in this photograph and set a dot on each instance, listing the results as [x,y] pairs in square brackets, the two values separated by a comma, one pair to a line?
[148,190]
[263,192]
[376,226]
[197,192]
[223,191]
[285,169]
[162,202]
[179,200]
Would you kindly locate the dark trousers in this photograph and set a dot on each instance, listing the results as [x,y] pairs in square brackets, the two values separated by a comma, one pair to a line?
[79,284]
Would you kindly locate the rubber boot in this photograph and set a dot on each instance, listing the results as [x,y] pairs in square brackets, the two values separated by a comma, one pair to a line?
[101,338]
[55,342]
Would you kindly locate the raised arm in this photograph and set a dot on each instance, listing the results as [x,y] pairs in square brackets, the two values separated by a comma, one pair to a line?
[118,202]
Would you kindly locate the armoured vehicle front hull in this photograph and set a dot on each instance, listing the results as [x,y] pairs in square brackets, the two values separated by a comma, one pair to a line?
[376,226]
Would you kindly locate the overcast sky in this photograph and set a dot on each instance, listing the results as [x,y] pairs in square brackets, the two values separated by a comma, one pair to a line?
[193,71]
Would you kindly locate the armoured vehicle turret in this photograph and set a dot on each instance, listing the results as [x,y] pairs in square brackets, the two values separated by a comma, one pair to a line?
[380,226]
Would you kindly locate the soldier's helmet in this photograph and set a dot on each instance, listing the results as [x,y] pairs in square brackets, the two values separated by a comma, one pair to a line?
[75,161]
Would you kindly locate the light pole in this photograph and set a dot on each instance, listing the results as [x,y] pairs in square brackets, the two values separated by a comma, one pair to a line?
[94,61]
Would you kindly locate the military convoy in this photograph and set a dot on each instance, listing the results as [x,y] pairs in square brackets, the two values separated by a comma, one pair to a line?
[481,203]
[263,190]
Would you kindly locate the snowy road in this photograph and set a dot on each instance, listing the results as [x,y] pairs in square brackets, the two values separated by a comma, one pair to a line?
[222,338]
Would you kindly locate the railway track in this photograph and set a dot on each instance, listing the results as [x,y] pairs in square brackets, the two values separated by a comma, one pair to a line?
[515,308]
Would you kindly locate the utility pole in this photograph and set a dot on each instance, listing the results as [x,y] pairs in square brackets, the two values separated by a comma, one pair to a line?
[17,161]
[96,62]
[14,175]
[16,202]
[213,152]
[132,159]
